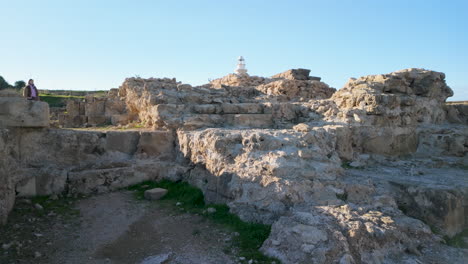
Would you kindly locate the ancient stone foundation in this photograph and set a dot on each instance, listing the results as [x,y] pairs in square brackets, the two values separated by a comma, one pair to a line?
[372,173]
[95,111]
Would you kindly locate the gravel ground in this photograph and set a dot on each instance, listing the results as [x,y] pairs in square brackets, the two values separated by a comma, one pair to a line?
[113,228]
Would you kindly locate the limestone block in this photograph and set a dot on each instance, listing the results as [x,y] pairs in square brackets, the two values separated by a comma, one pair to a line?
[95,107]
[26,188]
[206,109]
[60,147]
[114,107]
[385,141]
[120,119]
[102,180]
[166,115]
[19,112]
[126,141]
[294,74]
[242,108]
[157,144]
[99,120]
[250,120]
[155,194]
[75,108]
[198,121]
[66,120]
[344,141]
[110,179]
[45,181]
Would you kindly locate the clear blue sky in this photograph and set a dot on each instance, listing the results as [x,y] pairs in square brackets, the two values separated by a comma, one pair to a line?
[96,44]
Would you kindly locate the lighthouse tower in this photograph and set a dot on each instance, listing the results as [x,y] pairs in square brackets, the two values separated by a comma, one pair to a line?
[241,70]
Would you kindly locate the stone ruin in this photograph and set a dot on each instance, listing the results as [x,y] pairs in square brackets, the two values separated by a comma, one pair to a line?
[95,111]
[375,172]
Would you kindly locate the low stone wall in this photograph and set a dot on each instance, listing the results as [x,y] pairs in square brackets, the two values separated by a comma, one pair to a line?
[95,111]
[41,161]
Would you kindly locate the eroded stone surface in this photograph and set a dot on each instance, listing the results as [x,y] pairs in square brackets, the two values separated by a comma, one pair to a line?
[19,112]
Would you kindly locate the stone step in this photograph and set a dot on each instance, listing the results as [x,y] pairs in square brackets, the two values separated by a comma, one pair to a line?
[245,115]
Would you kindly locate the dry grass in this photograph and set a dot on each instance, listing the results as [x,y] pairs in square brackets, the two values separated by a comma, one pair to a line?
[457,103]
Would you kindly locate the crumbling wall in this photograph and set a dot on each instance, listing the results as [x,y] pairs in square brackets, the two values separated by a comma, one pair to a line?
[231,101]
[457,112]
[95,111]
[36,160]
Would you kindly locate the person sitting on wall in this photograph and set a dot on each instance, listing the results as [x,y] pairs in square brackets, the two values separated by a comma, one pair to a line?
[30,91]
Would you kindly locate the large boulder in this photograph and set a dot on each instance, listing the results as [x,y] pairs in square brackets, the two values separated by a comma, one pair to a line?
[295,74]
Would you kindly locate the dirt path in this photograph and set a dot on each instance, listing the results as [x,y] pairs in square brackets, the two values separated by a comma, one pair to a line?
[116,228]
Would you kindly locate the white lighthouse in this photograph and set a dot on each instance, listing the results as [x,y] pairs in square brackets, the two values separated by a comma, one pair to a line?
[241,70]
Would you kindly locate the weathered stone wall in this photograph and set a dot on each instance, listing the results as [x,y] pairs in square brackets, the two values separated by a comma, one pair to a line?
[8,168]
[232,101]
[95,111]
[15,113]
[457,112]
[37,161]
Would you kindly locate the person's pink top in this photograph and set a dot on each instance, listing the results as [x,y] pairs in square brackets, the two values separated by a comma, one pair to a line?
[33,92]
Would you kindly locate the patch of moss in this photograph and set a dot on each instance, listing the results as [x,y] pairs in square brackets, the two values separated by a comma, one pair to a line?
[345,165]
[343,196]
[62,206]
[458,240]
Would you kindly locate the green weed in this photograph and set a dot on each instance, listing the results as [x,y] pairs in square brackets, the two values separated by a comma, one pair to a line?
[251,235]
[343,196]
[458,240]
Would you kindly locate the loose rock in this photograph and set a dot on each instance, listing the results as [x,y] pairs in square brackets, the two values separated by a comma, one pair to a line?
[155,194]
